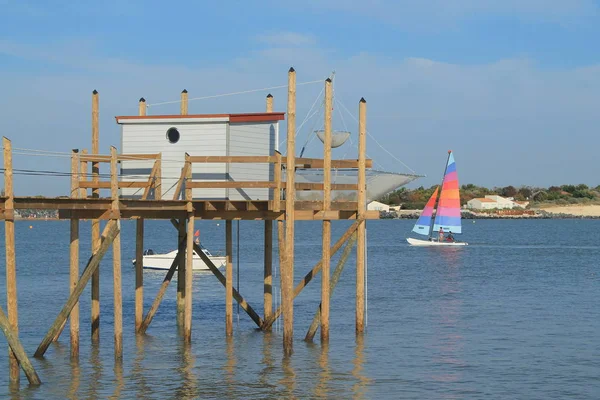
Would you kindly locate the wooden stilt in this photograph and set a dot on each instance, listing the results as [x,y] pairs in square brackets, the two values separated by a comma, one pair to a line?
[362,206]
[229,278]
[84,172]
[11,268]
[184,102]
[187,322]
[326,256]
[163,288]
[139,254]
[17,349]
[181,275]
[108,235]
[334,280]
[268,254]
[95,291]
[74,258]
[287,270]
[312,273]
[118,295]
[268,274]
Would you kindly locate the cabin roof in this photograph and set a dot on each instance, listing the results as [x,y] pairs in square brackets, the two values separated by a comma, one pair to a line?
[484,200]
[245,117]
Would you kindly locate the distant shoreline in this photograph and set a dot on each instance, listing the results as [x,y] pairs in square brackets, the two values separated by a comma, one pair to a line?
[551,212]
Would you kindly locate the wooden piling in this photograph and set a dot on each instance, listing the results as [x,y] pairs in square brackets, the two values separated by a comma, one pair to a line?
[326,256]
[139,256]
[108,235]
[334,280]
[362,205]
[229,278]
[287,270]
[17,349]
[11,268]
[95,290]
[142,107]
[164,285]
[84,172]
[268,253]
[187,322]
[184,102]
[181,275]
[116,245]
[74,258]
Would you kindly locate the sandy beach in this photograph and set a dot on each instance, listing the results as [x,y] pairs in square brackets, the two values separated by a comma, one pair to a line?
[576,209]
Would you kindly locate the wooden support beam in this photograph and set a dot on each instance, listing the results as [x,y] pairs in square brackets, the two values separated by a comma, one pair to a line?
[98,158]
[326,237]
[117,287]
[362,216]
[182,178]
[163,287]
[95,290]
[268,271]
[312,273]
[334,280]
[269,103]
[233,184]
[158,179]
[181,274]
[278,183]
[139,273]
[317,163]
[11,268]
[241,301]
[108,235]
[74,259]
[17,349]
[83,175]
[287,270]
[121,184]
[189,261]
[229,278]
[233,159]
[184,102]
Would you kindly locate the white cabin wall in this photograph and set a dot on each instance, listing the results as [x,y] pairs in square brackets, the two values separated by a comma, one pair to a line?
[197,139]
[251,139]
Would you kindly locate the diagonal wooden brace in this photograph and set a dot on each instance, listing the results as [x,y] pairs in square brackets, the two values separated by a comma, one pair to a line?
[17,349]
[313,272]
[108,235]
[243,303]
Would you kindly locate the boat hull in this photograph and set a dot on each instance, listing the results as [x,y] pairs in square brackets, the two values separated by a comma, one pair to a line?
[419,242]
[164,261]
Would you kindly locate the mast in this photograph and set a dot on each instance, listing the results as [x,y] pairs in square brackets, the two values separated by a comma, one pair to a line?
[439,196]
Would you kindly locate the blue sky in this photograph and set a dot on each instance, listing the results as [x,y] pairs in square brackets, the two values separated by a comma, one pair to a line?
[513,87]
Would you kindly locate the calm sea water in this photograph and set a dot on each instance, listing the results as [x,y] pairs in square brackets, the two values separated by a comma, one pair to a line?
[515,315]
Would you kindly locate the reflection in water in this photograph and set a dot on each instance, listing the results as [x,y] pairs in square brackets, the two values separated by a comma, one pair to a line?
[289,377]
[119,380]
[96,376]
[449,340]
[322,387]
[269,366]
[359,388]
[229,367]
[75,376]
[189,388]
[137,370]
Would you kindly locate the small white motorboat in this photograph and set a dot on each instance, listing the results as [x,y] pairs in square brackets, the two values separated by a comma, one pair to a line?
[164,261]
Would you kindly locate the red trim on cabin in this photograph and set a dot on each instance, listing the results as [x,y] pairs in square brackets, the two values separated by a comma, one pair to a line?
[247,117]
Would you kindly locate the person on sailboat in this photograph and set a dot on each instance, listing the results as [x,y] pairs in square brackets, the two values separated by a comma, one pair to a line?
[450,237]
[441,235]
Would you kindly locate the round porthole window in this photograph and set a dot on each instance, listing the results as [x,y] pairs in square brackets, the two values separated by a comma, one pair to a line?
[173,135]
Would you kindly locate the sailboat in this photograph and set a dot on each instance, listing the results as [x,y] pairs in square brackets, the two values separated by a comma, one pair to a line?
[447,216]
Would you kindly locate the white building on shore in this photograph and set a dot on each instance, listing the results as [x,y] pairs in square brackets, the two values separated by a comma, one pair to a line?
[377,206]
[491,202]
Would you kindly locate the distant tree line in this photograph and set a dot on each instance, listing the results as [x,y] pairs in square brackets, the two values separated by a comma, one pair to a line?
[412,199]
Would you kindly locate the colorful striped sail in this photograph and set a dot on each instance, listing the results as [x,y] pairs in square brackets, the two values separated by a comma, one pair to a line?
[423,224]
[448,210]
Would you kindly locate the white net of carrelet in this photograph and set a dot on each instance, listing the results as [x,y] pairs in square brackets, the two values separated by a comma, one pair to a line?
[379,183]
